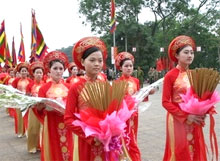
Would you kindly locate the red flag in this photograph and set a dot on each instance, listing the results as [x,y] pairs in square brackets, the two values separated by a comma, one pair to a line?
[8,61]
[159,64]
[21,53]
[2,42]
[38,46]
[14,58]
[113,18]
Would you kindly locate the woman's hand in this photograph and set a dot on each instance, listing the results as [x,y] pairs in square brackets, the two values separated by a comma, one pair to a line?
[152,91]
[197,119]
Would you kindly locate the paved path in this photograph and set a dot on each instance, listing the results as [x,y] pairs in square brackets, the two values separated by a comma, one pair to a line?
[151,137]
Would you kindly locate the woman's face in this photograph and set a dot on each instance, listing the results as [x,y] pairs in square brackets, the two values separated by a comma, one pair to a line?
[74,71]
[127,68]
[56,71]
[11,73]
[185,56]
[38,74]
[93,63]
[18,74]
[24,72]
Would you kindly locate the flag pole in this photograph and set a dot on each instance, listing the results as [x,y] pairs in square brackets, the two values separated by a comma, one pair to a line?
[114,45]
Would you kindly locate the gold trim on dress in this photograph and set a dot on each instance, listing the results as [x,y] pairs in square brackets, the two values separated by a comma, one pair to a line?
[46,141]
[171,137]
[20,122]
[76,148]
[33,131]
[125,152]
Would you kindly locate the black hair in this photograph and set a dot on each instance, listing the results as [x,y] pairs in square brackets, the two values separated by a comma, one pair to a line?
[38,68]
[55,61]
[89,51]
[23,67]
[122,62]
[180,49]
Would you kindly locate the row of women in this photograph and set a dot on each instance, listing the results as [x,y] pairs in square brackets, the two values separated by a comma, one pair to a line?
[61,140]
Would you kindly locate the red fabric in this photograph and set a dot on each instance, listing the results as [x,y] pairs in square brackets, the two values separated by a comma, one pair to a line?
[15,82]
[181,151]
[16,122]
[179,42]
[86,145]
[85,43]
[132,124]
[3,78]
[25,118]
[54,131]
[70,66]
[11,112]
[35,65]
[72,79]
[54,55]
[121,56]
[159,64]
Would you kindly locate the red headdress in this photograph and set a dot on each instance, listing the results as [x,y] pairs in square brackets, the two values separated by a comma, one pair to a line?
[70,66]
[22,65]
[55,55]
[85,43]
[121,56]
[35,65]
[10,69]
[179,42]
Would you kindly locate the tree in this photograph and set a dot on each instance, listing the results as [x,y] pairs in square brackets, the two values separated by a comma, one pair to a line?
[172,18]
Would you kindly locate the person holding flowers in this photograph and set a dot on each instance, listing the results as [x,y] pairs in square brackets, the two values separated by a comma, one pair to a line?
[57,139]
[184,140]
[36,70]
[21,84]
[89,54]
[9,80]
[124,61]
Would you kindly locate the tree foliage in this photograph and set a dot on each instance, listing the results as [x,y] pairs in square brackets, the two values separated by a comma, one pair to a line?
[171,18]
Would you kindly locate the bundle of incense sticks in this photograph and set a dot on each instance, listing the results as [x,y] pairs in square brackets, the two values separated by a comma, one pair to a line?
[99,95]
[203,80]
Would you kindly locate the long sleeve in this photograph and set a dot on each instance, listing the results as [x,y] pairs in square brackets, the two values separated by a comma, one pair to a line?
[28,89]
[71,109]
[41,93]
[15,82]
[167,103]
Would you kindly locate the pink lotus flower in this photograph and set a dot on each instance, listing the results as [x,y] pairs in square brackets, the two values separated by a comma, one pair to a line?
[107,127]
[193,105]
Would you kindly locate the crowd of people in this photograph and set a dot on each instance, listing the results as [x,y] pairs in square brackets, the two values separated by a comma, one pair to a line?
[58,139]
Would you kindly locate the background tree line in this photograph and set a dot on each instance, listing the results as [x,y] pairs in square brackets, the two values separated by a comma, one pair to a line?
[171,18]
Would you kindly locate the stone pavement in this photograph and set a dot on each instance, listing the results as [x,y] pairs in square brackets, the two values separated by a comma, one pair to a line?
[151,136]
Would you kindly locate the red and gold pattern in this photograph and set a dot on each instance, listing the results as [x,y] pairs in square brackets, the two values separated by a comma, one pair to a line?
[10,81]
[85,43]
[22,65]
[185,140]
[54,55]
[70,66]
[179,42]
[121,56]
[35,65]
[73,79]
[22,84]
[9,70]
